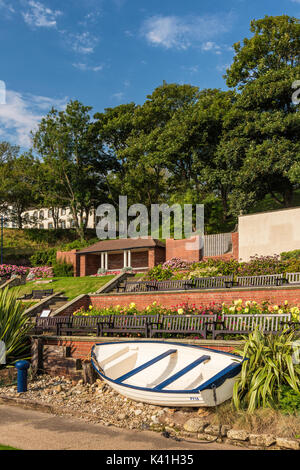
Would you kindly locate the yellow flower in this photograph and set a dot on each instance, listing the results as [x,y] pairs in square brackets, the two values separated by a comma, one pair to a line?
[180,311]
[286,302]
[280,311]
[154,303]
[132,305]
[248,303]
[232,309]
[247,310]
[275,307]
[91,307]
[118,307]
[238,302]
[148,308]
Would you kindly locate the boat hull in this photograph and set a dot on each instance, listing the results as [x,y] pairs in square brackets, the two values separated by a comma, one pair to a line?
[217,388]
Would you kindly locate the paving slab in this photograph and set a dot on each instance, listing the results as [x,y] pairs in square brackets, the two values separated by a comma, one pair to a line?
[35,430]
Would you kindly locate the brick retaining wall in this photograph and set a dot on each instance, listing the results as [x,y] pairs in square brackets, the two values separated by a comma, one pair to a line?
[63,355]
[276,295]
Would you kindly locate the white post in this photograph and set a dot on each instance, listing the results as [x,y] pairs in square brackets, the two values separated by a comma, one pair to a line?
[129,258]
[125,259]
[106,261]
[102,260]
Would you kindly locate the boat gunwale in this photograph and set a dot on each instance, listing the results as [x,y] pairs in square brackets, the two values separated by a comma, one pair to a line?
[219,377]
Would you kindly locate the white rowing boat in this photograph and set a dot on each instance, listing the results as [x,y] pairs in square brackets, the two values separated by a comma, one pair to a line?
[167,374]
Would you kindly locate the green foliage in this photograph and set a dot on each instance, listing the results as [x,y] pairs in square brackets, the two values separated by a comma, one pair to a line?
[14,326]
[159,273]
[268,368]
[289,401]
[63,269]
[287,255]
[44,257]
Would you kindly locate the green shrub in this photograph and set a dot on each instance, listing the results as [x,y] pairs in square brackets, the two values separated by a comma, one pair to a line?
[289,401]
[287,255]
[44,257]
[159,273]
[63,269]
[14,327]
[268,368]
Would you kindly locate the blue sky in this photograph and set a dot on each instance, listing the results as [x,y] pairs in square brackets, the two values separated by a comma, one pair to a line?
[108,52]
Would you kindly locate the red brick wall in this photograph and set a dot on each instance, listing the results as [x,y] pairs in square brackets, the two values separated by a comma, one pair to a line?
[115,261]
[83,301]
[82,349]
[89,264]
[69,257]
[177,249]
[204,298]
[156,255]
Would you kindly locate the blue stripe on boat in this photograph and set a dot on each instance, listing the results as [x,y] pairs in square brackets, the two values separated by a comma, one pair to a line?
[181,372]
[144,366]
[218,379]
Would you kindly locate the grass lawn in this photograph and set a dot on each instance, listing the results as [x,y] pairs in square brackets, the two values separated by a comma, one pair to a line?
[70,286]
[7,448]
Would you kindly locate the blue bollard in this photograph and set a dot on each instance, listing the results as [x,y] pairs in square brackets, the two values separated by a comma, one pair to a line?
[22,367]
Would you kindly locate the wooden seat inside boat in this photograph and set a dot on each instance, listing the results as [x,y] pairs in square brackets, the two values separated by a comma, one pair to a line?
[146,365]
[182,372]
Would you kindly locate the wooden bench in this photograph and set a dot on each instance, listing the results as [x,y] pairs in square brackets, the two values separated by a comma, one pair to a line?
[37,294]
[243,324]
[184,324]
[261,281]
[141,324]
[50,324]
[78,325]
[293,278]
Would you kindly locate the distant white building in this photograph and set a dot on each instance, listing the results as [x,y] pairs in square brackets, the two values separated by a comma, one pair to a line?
[43,219]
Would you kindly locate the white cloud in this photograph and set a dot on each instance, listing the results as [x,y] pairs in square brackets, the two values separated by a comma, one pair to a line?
[211,46]
[39,15]
[184,32]
[22,113]
[4,5]
[85,67]
[82,43]
[119,96]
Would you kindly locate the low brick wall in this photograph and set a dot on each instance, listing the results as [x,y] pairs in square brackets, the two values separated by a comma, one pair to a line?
[62,355]
[276,295]
[74,305]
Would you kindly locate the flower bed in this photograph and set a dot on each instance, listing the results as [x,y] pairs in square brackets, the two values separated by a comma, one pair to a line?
[237,307]
[180,269]
[40,272]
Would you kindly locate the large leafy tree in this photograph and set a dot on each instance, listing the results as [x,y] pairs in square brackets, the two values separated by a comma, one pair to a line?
[75,163]
[190,142]
[19,185]
[261,131]
[133,134]
[7,153]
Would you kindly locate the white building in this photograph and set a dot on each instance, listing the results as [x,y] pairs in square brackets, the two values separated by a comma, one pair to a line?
[43,219]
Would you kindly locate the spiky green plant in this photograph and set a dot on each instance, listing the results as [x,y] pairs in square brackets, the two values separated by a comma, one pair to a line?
[14,326]
[268,368]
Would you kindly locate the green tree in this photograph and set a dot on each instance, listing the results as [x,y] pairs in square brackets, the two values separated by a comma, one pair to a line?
[19,185]
[261,131]
[74,160]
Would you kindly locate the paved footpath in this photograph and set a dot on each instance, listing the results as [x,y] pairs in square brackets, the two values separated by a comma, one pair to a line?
[34,430]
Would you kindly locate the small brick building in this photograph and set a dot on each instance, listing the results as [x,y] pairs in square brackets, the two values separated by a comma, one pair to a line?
[140,254]
[113,255]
